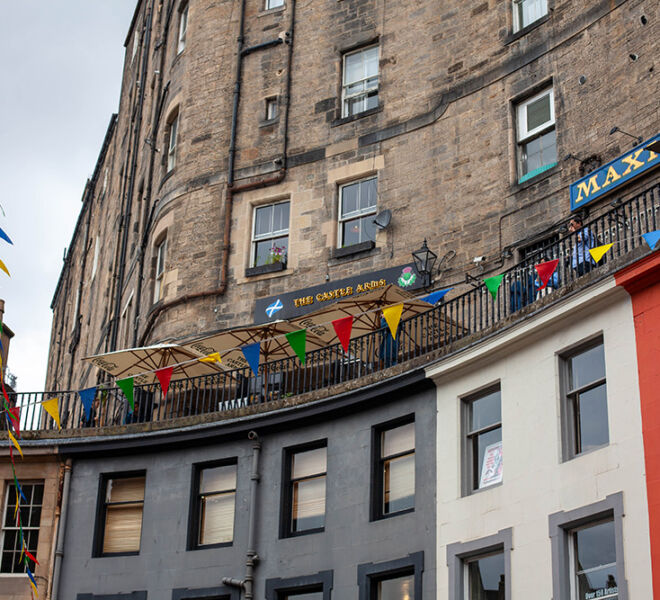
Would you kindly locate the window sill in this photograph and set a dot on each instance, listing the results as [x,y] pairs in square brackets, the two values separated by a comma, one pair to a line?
[270,11]
[525,30]
[366,113]
[531,178]
[483,489]
[269,122]
[585,453]
[210,546]
[167,175]
[294,534]
[263,269]
[353,249]
[394,514]
[113,554]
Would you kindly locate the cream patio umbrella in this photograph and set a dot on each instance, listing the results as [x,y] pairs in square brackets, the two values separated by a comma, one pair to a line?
[142,363]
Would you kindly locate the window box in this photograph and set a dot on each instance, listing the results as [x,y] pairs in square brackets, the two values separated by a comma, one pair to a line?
[354,249]
[263,269]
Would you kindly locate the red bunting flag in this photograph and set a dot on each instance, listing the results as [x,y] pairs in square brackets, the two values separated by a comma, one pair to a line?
[343,329]
[15,419]
[545,271]
[164,376]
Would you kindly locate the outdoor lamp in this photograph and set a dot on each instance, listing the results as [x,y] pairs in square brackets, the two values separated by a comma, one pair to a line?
[424,262]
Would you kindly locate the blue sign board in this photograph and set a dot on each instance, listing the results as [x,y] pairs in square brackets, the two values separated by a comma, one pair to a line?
[615,173]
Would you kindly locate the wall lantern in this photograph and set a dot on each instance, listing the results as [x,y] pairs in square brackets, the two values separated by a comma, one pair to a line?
[425,261]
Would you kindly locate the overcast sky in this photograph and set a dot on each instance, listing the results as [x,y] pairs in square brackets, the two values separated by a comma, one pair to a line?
[61,64]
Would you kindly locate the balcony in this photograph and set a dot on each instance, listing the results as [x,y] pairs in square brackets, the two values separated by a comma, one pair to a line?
[440,331]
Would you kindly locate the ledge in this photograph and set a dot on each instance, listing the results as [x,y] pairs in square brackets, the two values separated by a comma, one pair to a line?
[350,119]
[353,249]
[512,37]
[263,269]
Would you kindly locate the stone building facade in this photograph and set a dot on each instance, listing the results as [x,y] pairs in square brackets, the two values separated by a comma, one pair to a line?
[231,106]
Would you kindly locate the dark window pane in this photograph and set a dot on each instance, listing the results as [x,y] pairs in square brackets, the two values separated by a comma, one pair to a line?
[263,220]
[594,429]
[594,546]
[538,112]
[486,411]
[38,496]
[368,194]
[486,578]
[587,367]
[349,199]
[351,232]
[281,216]
[35,517]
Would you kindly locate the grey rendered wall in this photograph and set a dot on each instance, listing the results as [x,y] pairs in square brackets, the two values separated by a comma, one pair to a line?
[349,539]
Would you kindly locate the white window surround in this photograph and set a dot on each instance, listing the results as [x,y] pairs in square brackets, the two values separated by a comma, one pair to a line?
[271,108]
[524,132]
[364,207]
[274,4]
[161,256]
[183,28]
[526,12]
[360,74]
[273,231]
[171,149]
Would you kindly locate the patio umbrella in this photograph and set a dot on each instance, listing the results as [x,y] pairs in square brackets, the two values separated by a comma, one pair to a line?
[272,336]
[366,310]
[145,361]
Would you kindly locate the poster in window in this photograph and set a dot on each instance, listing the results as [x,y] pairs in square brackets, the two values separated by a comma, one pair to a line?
[492,469]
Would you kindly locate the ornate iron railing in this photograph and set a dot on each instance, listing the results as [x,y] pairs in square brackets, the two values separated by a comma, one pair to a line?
[432,331]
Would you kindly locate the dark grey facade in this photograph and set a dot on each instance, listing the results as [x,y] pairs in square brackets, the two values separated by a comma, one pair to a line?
[351,544]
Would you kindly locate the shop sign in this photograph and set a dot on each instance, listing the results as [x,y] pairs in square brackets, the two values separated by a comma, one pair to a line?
[615,173]
[300,302]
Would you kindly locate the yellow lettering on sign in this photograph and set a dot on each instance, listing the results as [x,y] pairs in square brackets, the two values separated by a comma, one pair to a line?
[632,162]
[652,156]
[612,176]
[360,288]
[588,187]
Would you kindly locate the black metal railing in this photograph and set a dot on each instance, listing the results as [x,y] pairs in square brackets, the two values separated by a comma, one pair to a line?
[431,331]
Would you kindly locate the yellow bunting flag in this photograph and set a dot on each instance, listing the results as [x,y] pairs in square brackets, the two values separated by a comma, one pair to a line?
[4,268]
[211,358]
[52,407]
[13,439]
[392,315]
[598,252]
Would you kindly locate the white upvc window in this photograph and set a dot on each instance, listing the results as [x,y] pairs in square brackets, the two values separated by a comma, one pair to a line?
[536,136]
[171,150]
[183,28]
[271,108]
[161,255]
[357,207]
[97,249]
[525,12]
[274,4]
[270,234]
[360,81]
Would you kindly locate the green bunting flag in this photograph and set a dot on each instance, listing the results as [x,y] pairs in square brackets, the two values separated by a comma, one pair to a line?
[298,340]
[493,284]
[126,386]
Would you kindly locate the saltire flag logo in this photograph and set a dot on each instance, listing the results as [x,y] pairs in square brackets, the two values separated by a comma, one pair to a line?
[274,307]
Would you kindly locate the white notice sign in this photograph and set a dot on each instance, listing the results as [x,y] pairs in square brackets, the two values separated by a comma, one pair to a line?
[492,470]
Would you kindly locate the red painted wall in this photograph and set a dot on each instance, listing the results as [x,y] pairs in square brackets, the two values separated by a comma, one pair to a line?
[642,282]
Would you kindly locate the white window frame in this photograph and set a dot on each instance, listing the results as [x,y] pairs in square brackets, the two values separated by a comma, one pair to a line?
[183,29]
[525,134]
[517,20]
[24,507]
[271,111]
[161,257]
[172,141]
[136,39]
[273,234]
[345,97]
[95,263]
[356,215]
[270,4]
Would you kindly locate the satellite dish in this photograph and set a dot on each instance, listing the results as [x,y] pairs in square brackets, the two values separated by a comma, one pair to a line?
[382,219]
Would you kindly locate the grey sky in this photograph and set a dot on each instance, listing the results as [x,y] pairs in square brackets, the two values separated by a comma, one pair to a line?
[61,64]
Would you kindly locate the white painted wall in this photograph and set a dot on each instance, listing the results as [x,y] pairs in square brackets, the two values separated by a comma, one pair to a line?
[536,483]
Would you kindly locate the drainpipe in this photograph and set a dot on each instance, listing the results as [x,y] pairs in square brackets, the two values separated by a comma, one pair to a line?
[61,528]
[251,558]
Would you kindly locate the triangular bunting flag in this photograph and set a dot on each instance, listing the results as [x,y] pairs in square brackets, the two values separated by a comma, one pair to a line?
[435,297]
[4,268]
[211,358]
[15,419]
[4,236]
[31,557]
[164,376]
[126,386]
[52,407]
[545,271]
[652,238]
[343,329]
[298,341]
[33,583]
[493,284]
[87,399]
[252,352]
[392,314]
[598,252]
[13,441]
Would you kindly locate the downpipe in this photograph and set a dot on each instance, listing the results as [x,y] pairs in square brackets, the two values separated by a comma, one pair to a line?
[59,549]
